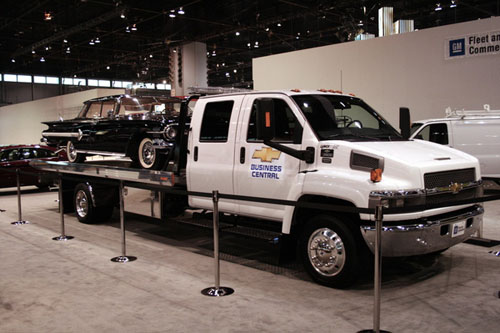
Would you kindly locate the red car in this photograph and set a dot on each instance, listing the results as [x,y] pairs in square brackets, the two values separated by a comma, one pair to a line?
[19,156]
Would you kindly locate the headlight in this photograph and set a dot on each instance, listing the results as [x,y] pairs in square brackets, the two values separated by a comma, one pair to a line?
[398,198]
[169,132]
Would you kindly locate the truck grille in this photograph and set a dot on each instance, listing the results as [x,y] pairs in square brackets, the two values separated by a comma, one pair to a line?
[439,184]
[445,178]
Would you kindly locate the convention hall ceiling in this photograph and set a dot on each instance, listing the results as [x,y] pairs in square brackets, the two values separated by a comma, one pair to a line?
[131,40]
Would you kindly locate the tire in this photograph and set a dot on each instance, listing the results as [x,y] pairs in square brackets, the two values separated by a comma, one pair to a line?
[329,252]
[73,156]
[147,155]
[84,207]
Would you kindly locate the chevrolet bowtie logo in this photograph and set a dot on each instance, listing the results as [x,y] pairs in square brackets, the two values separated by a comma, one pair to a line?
[456,187]
[267,154]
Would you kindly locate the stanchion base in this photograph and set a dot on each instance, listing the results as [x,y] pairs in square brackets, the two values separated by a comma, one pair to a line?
[123,259]
[217,292]
[20,222]
[62,238]
[372,331]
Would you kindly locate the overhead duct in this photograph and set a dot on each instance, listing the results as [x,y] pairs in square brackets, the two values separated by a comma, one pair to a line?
[385,19]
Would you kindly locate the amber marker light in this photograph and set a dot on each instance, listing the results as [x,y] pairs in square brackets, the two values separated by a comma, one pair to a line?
[268,119]
[376,175]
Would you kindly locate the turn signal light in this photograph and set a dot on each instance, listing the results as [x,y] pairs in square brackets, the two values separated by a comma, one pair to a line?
[376,175]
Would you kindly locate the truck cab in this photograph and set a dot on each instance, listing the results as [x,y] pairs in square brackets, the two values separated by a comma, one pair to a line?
[327,147]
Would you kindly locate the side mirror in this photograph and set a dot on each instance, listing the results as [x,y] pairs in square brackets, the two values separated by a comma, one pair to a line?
[404,122]
[265,119]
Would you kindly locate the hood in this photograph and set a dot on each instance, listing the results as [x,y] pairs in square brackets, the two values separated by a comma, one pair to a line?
[415,152]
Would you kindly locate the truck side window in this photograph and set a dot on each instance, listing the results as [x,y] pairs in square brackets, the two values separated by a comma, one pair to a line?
[287,128]
[437,133]
[215,123]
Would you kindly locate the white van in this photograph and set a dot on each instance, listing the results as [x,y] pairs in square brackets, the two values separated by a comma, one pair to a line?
[474,132]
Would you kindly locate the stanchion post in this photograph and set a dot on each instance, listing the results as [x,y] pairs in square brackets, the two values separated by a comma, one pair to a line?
[217,290]
[63,236]
[377,279]
[123,257]
[19,211]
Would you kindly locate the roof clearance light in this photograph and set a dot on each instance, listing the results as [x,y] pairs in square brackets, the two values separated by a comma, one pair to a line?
[376,175]
[296,90]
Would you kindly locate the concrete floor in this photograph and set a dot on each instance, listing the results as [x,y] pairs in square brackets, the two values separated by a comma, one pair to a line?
[72,286]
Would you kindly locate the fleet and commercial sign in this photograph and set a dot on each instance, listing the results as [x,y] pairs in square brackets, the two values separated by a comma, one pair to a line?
[483,43]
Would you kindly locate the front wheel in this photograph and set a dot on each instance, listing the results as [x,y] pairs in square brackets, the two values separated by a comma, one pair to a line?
[329,252]
[147,155]
[73,156]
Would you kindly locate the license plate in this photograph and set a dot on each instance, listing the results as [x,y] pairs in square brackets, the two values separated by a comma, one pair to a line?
[458,229]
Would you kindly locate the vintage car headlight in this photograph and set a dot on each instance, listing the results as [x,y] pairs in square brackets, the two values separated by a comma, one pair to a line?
[398,198]
[170,132]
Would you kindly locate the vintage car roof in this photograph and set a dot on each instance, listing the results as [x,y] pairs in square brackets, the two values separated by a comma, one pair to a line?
[116,97]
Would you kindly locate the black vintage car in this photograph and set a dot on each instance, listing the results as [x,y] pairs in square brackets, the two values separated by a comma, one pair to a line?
[143,128]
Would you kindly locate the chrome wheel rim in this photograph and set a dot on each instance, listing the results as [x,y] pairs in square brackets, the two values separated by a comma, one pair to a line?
[326,252]
[71,152]
[82,204]
[148,153]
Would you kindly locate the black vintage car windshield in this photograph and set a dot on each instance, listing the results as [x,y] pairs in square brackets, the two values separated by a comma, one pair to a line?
[335,117]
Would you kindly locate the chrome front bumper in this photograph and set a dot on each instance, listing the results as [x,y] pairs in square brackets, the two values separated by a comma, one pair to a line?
[429,236]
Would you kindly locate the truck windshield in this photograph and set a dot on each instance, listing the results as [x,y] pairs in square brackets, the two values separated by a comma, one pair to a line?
[335,117]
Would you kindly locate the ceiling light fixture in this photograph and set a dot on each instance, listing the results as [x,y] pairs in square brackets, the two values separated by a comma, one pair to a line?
[453,4]
[68,50]
[91,42]
[122,15]
[13,60]
[134,27]
[65,40]
[42,59]
[172,13]
[127,29]
[33,52]
[181,11]
[278,25]
[108,68]
[237,33]
[97,40]
[438,7]
[47,16]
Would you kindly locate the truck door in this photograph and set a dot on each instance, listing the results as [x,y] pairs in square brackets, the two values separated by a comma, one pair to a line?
[261,171]
[211,150]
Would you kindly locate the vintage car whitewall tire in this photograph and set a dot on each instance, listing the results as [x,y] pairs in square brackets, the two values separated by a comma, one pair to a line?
[147,155]
[328,251]
[73,156]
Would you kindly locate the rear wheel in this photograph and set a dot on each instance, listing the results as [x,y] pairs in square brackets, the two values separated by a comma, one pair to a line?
[73,156]
[329,252]
[85,210]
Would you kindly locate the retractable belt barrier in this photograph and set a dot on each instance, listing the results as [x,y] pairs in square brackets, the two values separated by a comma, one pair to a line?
[163,181]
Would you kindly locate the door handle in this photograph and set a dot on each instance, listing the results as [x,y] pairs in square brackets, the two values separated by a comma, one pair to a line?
[242,155]
[195,157]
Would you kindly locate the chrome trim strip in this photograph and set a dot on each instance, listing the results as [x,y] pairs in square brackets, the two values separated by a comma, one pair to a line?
[454,187]
[96,152]
[398,193]
[61,134]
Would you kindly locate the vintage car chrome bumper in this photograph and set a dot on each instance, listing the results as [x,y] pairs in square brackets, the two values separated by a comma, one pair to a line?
[426,237]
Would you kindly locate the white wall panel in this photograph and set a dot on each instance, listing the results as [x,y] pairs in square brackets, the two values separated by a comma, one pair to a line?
[398,70]
[21,123]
